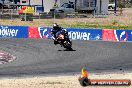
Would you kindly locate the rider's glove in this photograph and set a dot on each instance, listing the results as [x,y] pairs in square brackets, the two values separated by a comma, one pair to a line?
[53,38]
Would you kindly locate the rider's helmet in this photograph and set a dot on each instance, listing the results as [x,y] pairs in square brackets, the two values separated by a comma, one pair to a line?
[56,26]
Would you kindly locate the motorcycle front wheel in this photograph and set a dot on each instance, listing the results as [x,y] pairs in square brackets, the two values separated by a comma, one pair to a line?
[67,45]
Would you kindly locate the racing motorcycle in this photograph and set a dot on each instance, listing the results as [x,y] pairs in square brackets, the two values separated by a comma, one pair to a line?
[63,39]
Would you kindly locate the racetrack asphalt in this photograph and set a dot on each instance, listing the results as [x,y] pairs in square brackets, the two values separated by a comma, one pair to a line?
[41,56]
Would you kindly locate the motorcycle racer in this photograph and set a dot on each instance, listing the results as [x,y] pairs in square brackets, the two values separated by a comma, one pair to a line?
[56,28]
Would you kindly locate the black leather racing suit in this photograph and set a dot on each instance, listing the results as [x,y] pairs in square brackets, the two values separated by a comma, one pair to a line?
[53,32]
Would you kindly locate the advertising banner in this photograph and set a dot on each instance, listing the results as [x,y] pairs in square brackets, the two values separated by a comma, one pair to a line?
[74,34]
[14,31]
[33,32]
[45,32]
[123,35]
[39,32]
[85,34]
[116,35]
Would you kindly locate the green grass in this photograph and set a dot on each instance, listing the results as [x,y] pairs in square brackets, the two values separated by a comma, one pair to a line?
[93,25]
[83,25]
